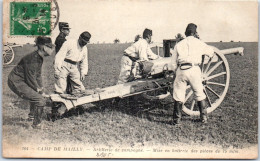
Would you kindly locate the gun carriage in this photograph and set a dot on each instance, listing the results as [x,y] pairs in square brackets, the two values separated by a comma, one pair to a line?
[154,79]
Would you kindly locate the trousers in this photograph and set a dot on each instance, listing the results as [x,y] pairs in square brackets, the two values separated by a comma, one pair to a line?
[191,76]
[126,70]
[24,91]
[71,70]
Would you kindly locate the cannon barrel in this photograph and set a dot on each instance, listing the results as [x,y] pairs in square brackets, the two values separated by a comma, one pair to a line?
[159,65]
[238,50]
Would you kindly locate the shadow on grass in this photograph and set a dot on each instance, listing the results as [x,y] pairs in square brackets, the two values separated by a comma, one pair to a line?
[153,110]
[160,111]
[137,106]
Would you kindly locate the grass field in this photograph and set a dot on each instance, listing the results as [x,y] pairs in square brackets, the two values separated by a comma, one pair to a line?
[143,123]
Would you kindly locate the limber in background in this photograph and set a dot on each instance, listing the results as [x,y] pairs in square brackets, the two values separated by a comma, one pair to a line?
[139,123]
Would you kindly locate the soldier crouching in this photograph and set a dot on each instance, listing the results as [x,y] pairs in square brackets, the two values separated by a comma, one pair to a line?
[25,79]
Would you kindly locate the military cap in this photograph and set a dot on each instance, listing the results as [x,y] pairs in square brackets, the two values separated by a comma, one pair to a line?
[63,25]
[147,32]
[85,36]
[191,28]
[42,40]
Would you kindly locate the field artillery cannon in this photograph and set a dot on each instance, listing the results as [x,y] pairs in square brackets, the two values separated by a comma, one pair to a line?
[157,75]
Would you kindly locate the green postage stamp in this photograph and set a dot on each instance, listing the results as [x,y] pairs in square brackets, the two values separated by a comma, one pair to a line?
[30,18]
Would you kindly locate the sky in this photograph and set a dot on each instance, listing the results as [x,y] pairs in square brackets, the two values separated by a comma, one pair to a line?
[107,20]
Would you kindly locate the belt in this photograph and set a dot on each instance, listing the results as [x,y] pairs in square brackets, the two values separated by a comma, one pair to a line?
[132,58]
[185,66]
[70,61]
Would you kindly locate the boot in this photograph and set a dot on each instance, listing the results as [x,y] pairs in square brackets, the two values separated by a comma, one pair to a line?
[203,111]
[177,113]
[69,86]
[31,113]
[38,114]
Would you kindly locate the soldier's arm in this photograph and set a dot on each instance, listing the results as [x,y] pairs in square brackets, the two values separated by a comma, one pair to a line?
[39,78]
[174,61]
[151,55]
[142,50]
[30,75]
[208,50]
[84,64]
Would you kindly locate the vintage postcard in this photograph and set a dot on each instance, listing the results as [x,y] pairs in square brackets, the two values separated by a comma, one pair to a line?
[130,79]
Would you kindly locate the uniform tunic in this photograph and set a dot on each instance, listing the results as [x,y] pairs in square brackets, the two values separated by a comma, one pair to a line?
[61,38]
[73,52]
[140,50]
[25,78]
[189,50]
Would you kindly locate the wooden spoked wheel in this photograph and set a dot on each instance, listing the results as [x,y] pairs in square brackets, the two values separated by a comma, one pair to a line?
[215,79]
[8,55]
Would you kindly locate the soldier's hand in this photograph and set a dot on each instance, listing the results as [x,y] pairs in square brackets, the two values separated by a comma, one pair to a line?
[45,95]
[40,90]
[82,77]
[56,75]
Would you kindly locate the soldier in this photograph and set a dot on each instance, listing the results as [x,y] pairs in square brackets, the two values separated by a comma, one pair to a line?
[61,38]
[187,56]
[140,50]
[70,55]
[25,79]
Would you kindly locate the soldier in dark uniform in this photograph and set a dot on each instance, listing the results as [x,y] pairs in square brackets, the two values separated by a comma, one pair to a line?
[61,38]
[25,79]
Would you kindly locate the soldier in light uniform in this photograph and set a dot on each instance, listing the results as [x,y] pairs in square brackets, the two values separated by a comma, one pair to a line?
[25,79]
[140,50]
[187,56]
[72,54]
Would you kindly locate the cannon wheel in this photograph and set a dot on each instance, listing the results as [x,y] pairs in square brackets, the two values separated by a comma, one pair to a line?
[8,55]
[216,77]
